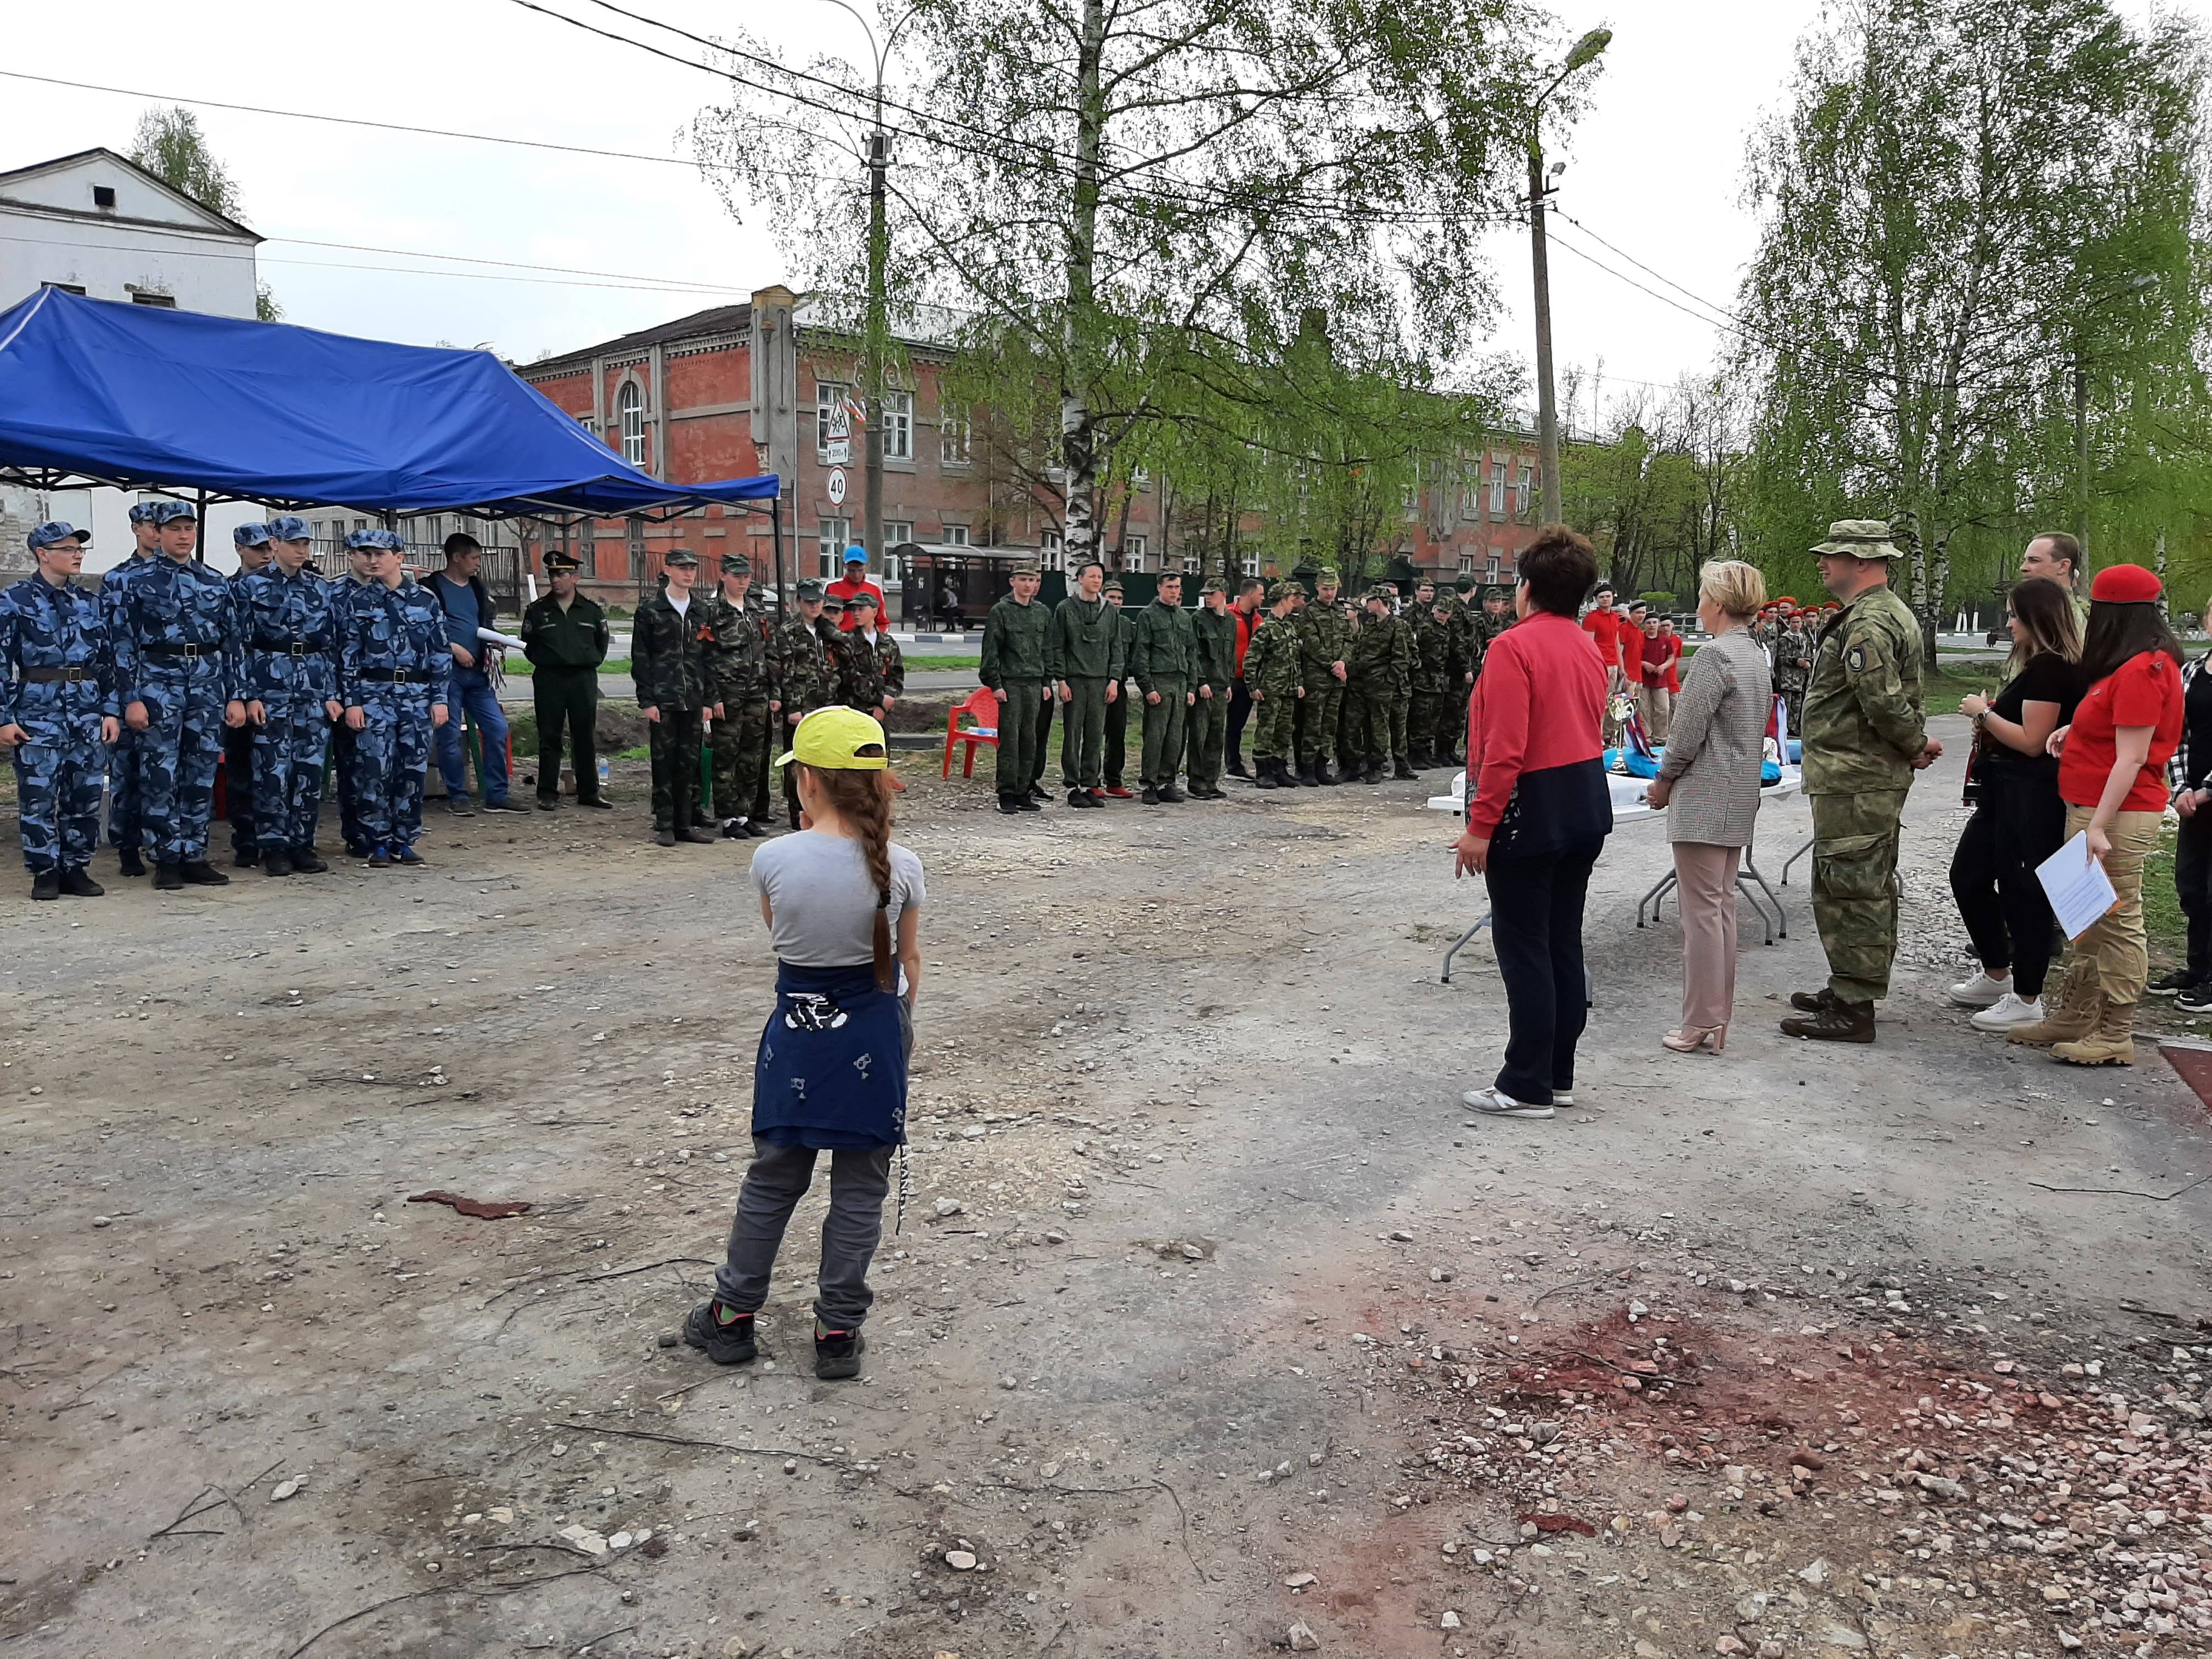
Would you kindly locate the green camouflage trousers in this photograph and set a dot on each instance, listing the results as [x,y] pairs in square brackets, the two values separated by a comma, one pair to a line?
[1207,729]
[1083,734]
[1855,840]
[741,757]
[1377,722]
[1324,707]
[1022,721]
[1163,728]
[1274,718]
[1430,725]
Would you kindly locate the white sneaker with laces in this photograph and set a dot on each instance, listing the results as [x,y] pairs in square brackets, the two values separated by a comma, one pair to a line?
[2009,1010]
[1499,1104]
[1981,991]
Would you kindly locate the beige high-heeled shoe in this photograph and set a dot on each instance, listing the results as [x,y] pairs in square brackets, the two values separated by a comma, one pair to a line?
[1689,1039]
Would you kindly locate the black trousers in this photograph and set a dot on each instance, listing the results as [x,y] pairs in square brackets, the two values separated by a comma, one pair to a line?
[566,699]
[1117,735]
[2017,824]
[1240,710]
[1536,921]
[2192,880]
[674,739]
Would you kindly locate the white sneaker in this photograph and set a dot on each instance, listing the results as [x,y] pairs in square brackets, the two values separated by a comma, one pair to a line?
[1981,991]
[1503,1105]
[1562,1096]
[2008,1012]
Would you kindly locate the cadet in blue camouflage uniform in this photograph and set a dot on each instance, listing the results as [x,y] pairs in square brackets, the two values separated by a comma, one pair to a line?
[174,651]
[394,670]
[251,543]
[344,774]
[124,813]
[57,712]
[288,672]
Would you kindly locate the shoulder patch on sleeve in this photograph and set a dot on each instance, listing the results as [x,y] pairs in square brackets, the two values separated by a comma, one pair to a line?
[1855,658]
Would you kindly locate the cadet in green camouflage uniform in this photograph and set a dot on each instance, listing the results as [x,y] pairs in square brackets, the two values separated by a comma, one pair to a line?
[1325,630]
[1793,666]
[1439,698]
[1272,677]
[1084,656]
[1163,660]
[1017,669]
[1117,712]
[737,681]
[668,662]
[802,677]
[870,669]
[1865,735]
[1214,630]
[1380,678]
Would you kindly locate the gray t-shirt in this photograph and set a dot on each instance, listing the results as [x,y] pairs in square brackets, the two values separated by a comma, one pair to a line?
[819,891]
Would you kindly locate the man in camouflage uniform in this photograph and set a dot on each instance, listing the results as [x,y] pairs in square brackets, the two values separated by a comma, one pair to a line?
[1793,666]
[1117,709]
[1214,635]
[345,776]
[1017,670]
[737,683]
[669,641]
[175,651]
[287,639]
[1324,637]
[58,712]
[1438,700]
[802,676]
[1379,679]
[251,543]
[125,787]
[395,671]
[872,673]
[1164,658]
[1865,735]
[1083,655]
[1274,677]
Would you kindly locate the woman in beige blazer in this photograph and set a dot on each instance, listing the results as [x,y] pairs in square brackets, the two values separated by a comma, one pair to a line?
[1709,784]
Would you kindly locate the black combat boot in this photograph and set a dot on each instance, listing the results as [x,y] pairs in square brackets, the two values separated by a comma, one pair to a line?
[78,883]
[198,872]
[1010,806]
[46,885]
[1151,796]
[1170,795]
[275,862]
[663,837]
[1405,772]
[1327,771]
[1267,773]
[1305,774]
[246,858]
[307,861]
[166,878]
[129,863]
[1839,1022]
[1812,1002]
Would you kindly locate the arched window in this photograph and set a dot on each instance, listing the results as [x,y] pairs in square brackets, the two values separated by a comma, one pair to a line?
[630,407]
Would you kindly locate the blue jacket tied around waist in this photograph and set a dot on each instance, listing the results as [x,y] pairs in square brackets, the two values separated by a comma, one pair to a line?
[832,1070]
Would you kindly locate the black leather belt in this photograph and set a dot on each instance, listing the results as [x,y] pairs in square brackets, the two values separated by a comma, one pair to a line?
[55,676]
[182,652]
[295,649]
[394,676]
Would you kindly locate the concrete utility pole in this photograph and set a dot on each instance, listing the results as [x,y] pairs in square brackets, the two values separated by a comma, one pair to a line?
[1586,51]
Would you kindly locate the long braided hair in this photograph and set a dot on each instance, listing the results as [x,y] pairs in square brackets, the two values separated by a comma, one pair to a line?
[863,799]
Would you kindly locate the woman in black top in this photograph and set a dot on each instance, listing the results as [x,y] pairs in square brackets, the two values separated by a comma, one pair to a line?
[2189,775]
[2019,820]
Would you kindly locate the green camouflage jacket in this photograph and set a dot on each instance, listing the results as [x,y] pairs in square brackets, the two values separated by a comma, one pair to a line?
[1085,641]
[1271,661]
[737,656]
[1438,660]
[1217,648]
[668,653]
[1017,642]
[802,673]
[866,677]
[1381,658]
[1864,719]
[1324,637]
[1163,646]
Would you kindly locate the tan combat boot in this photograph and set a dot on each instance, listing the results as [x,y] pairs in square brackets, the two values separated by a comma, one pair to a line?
[2073,1018]
[2112,1042]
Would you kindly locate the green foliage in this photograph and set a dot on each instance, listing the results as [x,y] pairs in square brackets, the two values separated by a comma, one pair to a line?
[1660,491]
[265,306]
[1965,200]
[1658,597]
[170,145]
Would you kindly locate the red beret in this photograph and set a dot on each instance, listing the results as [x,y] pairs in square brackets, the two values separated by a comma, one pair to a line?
[2125,584]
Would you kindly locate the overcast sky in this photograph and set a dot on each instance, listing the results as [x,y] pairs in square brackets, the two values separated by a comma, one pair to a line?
[1655,168]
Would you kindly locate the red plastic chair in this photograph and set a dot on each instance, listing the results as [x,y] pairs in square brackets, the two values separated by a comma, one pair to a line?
[982,711]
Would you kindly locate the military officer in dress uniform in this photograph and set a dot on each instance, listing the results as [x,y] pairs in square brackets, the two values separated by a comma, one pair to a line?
[58,712]
[564,635]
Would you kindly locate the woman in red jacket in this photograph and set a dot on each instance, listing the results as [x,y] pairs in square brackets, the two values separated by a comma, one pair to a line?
[1538,813]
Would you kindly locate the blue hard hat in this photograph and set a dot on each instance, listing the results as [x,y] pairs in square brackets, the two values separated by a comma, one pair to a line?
[143,512]
[289,527]
[54,532]
[249,535]
[374,541]
[174,512]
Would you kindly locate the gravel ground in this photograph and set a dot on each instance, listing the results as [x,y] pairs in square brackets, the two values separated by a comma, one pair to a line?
[1214,1327]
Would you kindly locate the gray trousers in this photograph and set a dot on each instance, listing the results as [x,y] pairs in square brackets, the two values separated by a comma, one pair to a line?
[778,1178]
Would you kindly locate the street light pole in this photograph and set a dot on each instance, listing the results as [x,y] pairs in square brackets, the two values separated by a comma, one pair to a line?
[1586,51]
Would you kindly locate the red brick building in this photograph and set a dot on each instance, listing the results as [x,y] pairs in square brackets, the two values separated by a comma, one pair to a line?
[679,401]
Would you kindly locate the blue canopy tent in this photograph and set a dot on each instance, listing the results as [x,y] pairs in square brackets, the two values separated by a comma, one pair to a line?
[94,393]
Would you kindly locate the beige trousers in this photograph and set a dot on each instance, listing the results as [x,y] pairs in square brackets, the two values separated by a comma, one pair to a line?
[2114,948]
[1656,704]
[1706,896]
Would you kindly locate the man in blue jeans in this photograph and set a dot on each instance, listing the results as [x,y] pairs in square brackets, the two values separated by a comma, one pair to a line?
[468,607]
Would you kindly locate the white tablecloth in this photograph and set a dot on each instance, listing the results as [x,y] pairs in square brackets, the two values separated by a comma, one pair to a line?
[1628,803]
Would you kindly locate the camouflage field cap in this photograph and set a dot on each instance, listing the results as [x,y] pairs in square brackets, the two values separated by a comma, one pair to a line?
[1285,589]
[143,512]
[174,513]
[1326,577]
[54,532]
[810,590]
[736,564]
[677,556]
[249,535]
[374,541]
[862,600]
[1213,585]
[831,605]
[1113,586]
[1489,593]
[289,527]
[1028,570]
[1860,539]
[1383,592]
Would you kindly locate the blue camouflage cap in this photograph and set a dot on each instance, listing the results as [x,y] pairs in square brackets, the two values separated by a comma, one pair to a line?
[143,512]
[54,532]
[249,535]
[374,541]
[289,527]
[166,512]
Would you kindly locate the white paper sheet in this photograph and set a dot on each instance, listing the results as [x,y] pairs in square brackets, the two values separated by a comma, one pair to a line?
[2079,889]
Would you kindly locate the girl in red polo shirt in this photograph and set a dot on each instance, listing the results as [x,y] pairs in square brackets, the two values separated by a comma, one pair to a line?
[2111,776]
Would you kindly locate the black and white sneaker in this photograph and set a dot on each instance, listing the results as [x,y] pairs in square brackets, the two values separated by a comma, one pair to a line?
[2196,999]
[2166,985]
